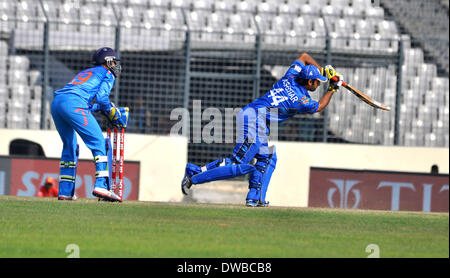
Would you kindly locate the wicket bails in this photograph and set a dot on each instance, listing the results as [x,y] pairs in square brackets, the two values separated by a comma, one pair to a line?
[117,167]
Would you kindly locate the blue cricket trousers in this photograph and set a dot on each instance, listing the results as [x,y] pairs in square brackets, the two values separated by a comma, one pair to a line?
[71,114]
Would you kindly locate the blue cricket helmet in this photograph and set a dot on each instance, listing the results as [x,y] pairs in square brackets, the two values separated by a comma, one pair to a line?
[312,72]
[107,55]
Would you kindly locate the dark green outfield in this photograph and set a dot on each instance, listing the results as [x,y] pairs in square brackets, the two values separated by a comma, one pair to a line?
[43,227]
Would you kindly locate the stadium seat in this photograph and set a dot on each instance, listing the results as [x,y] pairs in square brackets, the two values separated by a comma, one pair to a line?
[244,24]
[361,3]
[303,24]
[411,139]
[7,7]
[26,14]
[376,12]
[330,11]
[316,5]
[107,18]
[34,121]
[89,18]
[2,115]
[248,6]
[16,121]
[4,92]
[21,93]
[364,26]
[68,19]
[387,28]
[272,27]
[200,20]
[16,115]
[340,3]
[352,11]
[224,5]
[389,97]
[18,62]
[175,18]
[17,77]
[3,76]
[50,10]
[161,3]
[34,117]
[3,62]
[290,6]
[388,137]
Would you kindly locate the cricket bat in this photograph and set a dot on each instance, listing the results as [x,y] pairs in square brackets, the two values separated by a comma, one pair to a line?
[363,96]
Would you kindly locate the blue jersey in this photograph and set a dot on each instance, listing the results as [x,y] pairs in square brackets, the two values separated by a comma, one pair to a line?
[287,96]
[89,84]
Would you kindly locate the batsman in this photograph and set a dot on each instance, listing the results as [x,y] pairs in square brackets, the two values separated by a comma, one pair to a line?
[289,96]
[71,110]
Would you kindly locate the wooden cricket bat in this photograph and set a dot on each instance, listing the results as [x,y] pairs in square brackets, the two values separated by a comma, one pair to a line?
[364,97]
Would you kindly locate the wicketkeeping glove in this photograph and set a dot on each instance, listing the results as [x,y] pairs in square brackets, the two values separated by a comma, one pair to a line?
[115,117]
[334,85]
[123,121]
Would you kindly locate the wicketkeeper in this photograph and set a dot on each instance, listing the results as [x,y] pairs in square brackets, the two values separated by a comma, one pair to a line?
[72,109]
[288,97]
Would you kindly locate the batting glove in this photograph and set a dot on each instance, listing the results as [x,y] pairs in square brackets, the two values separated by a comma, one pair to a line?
[334,85]
[328,71]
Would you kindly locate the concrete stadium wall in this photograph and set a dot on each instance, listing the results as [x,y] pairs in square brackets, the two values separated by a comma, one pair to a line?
[162,158]
[290,181]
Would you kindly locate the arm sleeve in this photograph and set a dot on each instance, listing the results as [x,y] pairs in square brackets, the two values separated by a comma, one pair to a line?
[295,69]
[104,92]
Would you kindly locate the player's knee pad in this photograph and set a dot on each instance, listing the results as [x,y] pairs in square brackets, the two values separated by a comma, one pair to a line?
[222,172]
[109,158]
[244,152]
[226,168]
[103,168]
[192,169]
[217,163]
[260,178]
[77,155]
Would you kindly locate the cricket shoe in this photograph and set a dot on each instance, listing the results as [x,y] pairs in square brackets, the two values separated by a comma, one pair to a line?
[105,194]
[186,184]
[67,198]
[256,203]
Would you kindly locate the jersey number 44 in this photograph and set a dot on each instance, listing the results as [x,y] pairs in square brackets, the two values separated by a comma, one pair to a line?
[276,97]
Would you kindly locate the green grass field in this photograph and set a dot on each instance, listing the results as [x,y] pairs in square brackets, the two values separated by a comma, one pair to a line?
[44,227]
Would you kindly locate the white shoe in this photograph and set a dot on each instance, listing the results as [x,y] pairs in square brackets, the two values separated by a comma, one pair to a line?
[67,198]
[105,194]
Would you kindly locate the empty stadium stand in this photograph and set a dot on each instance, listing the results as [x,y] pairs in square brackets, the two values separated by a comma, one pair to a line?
[427,23]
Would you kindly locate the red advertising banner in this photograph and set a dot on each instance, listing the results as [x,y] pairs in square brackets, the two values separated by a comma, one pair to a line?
[27,175]
[378,190]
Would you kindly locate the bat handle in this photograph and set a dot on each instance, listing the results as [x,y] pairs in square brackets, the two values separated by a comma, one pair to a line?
[335,79]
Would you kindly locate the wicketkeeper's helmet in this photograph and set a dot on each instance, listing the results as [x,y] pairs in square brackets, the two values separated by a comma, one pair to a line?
[107,55]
